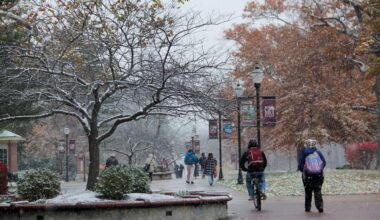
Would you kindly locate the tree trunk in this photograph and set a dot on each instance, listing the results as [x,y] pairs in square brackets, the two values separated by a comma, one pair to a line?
[377,92]
[130,159]
[93,171]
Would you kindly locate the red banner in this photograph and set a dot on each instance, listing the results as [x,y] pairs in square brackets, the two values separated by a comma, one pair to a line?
[269,110]
[212,129]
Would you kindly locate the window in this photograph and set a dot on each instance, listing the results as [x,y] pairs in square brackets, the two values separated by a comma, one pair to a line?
[4,155]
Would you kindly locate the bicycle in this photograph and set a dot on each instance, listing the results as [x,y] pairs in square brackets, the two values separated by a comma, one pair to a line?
[257,195]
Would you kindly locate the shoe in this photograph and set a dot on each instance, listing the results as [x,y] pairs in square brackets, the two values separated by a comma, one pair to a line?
[307,210]
[192,182]
[263,196]
[187,182]
[251,198]
[320,210]
[210,184]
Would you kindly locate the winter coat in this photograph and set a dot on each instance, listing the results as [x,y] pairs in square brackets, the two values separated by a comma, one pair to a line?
[202,161]
[151,160]
[193,157]
[112,161]
[244,160]
[210,166]
[305,153]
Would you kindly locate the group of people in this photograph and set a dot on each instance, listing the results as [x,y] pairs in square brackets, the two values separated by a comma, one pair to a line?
[253,161]
[207,166]
[311,163]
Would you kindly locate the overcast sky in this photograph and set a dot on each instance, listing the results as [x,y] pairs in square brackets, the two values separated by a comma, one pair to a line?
[235,8]
[214,36]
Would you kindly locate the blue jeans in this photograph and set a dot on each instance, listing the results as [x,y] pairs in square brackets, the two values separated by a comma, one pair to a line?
[210,179]
[250,176]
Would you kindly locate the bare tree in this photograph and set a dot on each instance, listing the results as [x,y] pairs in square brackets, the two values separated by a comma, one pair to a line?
[110,63]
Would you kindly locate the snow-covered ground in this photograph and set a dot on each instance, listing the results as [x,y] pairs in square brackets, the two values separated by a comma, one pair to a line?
[337,182]
[89,196]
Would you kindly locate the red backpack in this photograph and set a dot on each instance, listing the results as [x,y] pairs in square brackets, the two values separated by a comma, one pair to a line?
[255,158]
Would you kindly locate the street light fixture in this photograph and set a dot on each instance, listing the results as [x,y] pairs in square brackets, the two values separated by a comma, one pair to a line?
[239,92]
[257,77]
[67,132]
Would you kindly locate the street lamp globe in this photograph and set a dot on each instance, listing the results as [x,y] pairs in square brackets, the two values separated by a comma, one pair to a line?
[238,89]
[66,131]
[257,75]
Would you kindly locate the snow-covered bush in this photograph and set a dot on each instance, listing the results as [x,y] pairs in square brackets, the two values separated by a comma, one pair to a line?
[116,181]
[140,180]
[39,184]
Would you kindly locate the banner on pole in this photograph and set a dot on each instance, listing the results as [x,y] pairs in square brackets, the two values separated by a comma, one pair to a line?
[213,129]
[269,110]
[72,145]
[247,112]
[227,129]
[61,146]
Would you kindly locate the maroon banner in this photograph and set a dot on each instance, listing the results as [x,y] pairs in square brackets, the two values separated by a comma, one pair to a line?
[247,113]
[269,111]
[197,146]
[72,145]
[212,129]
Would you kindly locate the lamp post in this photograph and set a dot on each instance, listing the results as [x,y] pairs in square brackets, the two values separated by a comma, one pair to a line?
[67,131]
[220,146]
[257,77]
[239,92]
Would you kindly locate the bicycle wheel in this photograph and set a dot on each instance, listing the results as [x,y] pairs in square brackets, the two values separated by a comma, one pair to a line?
[256,195]
[258,198]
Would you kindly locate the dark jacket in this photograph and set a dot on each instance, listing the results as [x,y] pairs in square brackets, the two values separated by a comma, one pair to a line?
[305,153]
[111,161]
[202,161]
[244,160]
[210,166]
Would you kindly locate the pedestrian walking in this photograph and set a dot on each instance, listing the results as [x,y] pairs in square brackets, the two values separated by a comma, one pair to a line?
[165,164]
[202,163]
[190,161]
[256,164]
[312,164]
[112,161]
[181,168]
[210,171]
[150,165]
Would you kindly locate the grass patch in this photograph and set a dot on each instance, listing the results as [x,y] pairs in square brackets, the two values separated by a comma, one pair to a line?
[336,182]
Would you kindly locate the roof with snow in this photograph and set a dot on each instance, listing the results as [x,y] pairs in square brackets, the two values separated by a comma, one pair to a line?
[10,136]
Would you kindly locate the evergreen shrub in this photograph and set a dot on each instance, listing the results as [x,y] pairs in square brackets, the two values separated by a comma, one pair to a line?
[39,184]
[116,181]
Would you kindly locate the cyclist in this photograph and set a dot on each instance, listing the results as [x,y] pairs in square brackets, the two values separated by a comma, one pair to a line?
[256,164]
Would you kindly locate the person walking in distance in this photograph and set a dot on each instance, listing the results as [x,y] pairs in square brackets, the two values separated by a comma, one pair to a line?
[311,163]
[150,165]
[112,161]
[210,164]
[254,162]
[190,161]
[202,163]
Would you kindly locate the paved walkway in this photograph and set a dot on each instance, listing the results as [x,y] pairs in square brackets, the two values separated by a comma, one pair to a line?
[353,207]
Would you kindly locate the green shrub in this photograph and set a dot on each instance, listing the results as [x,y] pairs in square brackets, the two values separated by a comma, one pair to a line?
[140,180]
[116,181]
[39,184]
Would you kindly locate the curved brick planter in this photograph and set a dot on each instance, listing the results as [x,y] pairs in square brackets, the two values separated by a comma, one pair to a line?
[198,206]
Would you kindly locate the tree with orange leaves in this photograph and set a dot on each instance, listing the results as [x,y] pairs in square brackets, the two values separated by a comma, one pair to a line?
[311,67]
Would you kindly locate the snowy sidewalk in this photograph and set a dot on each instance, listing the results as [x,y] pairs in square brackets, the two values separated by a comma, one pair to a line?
[281,207]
